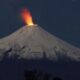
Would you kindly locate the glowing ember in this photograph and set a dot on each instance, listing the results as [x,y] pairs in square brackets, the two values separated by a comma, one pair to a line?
[26,17]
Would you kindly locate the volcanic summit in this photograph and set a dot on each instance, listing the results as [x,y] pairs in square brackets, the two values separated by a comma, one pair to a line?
[35,54]
[31,41]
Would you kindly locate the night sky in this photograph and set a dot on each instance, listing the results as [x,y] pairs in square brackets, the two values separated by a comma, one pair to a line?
[59,17]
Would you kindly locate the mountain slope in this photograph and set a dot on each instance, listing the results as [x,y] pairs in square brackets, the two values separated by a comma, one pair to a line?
[32,41]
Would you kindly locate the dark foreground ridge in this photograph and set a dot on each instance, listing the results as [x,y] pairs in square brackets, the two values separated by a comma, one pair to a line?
[13,68]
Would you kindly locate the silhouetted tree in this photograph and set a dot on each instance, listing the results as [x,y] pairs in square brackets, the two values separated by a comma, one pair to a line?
[57,78]
[46,76]
[29,75]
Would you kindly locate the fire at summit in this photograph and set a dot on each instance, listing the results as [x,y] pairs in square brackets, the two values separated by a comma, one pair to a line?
[27,17]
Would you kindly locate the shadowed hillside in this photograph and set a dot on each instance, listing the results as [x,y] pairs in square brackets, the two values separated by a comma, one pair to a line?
[13,68]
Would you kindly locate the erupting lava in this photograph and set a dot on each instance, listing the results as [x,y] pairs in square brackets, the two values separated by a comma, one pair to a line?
[26,17]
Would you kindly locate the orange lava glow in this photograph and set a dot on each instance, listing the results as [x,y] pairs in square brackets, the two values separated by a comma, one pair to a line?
[26,17]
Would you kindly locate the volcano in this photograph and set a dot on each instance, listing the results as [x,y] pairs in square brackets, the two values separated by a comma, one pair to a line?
[31,41]
[31,47]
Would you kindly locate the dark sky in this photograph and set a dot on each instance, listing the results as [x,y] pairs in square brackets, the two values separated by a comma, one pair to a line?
[59,17]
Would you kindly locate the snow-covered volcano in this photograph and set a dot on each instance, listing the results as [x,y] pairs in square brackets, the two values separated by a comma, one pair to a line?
[31,42]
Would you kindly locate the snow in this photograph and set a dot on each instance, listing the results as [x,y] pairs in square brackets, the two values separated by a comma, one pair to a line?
[31,41]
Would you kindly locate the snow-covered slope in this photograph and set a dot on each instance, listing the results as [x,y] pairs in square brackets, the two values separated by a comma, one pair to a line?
[32,41]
